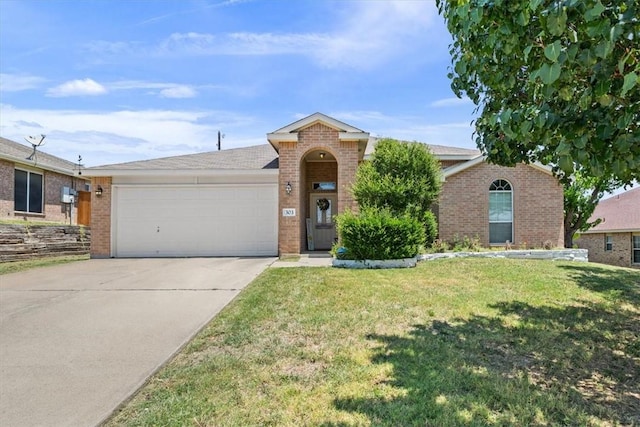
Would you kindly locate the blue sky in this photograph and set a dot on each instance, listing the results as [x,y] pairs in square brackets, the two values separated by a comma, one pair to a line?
[117,81]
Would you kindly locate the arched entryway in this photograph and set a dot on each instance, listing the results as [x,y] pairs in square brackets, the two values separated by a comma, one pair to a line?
[314,152]
[319,199]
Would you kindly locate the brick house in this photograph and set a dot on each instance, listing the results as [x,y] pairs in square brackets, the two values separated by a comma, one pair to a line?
[31,186]
[280,198]
[616,240]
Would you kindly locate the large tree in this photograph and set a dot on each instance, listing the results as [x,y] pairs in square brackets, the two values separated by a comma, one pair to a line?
[555,81]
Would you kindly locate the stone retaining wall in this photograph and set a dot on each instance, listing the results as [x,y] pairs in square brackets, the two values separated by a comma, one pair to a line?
[21,242]
[581,255]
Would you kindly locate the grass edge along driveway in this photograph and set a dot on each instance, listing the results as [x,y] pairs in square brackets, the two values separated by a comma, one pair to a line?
[451,342]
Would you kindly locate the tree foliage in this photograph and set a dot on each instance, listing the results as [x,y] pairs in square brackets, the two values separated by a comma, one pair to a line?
[581,196]
[403,177]
[557,81]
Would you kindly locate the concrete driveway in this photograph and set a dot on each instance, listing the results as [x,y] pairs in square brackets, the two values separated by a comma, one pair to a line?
[78,339]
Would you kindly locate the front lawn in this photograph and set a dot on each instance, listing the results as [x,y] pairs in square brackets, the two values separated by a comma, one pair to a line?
[451,342]
[7,267]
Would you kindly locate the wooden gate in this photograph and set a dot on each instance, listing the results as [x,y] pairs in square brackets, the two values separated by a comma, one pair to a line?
[84,208]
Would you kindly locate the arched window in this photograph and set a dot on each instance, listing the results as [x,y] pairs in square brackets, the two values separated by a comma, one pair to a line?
[500,212]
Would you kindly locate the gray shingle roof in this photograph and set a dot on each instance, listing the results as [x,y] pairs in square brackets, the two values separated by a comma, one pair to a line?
[437,150]
[16,152]
[441,150]
[246,158]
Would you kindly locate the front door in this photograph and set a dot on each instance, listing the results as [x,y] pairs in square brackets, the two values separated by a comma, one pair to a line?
[323,230]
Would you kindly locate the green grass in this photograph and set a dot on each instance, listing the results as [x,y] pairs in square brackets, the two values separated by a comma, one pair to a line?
[451,342]
[32,222]
[15,266]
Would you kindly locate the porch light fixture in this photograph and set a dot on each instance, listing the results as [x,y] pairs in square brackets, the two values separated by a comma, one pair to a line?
[288,188]
[99,191]
[322,155]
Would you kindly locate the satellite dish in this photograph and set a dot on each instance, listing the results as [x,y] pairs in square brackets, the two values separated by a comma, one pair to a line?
[35,141]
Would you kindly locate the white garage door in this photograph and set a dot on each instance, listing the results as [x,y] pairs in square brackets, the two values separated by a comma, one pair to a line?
[195,220]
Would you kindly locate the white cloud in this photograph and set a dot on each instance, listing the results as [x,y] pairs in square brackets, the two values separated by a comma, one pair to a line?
[365,35]
[86,87]
[103,137]
[19,82]
[408,128]
[166,90]
[451,102]
[178,92]
[372,33]
[241,43]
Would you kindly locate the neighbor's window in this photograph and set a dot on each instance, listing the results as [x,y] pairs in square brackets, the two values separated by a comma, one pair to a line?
[608,243]
[28,191]
[636,249]
[500,212]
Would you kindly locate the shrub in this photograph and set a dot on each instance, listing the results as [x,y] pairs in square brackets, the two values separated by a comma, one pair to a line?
[466,244]
[430,227]
[439,245]
[403,177]
[377,234]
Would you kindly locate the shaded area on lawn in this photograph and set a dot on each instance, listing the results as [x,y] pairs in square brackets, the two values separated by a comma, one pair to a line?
[616,285]
[575,364]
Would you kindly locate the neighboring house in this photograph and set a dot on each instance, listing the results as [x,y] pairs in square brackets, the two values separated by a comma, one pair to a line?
[32,185]
[280,198]
[616,240]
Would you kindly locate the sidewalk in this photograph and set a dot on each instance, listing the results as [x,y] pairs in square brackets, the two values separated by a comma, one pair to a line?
[305,260]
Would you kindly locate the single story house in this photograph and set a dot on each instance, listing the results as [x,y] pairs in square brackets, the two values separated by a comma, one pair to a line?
[280,198]
[616,240]
[40,186]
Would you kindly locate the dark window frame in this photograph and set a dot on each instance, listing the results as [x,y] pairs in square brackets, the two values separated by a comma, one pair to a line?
[31,201]
[608,243]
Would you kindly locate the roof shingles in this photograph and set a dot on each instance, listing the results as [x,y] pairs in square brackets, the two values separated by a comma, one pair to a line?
[17,152]
[246,158]
[620,213]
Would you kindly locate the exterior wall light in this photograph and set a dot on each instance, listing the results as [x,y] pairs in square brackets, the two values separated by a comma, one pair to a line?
[322,154]
[288,188]
[99,191]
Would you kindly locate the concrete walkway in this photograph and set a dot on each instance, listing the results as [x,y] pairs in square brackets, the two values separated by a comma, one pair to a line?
[306,260]
[78,339]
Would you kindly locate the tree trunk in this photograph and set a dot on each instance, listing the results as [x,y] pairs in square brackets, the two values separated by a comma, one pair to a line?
[568,237]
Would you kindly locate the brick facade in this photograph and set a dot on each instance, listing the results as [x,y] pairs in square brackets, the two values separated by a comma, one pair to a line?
[6,189]
[295,170]
[101,218]
[53,210]
[620,253]
[463,207]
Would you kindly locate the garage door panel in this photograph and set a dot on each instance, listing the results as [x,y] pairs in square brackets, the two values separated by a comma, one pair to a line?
[195,221]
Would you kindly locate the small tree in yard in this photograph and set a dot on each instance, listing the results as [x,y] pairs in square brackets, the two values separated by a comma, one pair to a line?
[581,197]
[394,191]
[402,177]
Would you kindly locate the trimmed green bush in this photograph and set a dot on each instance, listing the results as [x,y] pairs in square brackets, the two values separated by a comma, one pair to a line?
[403,177]
[377,234]
[430,227]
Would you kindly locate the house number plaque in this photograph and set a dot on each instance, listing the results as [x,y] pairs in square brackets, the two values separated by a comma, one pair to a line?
[288,212]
